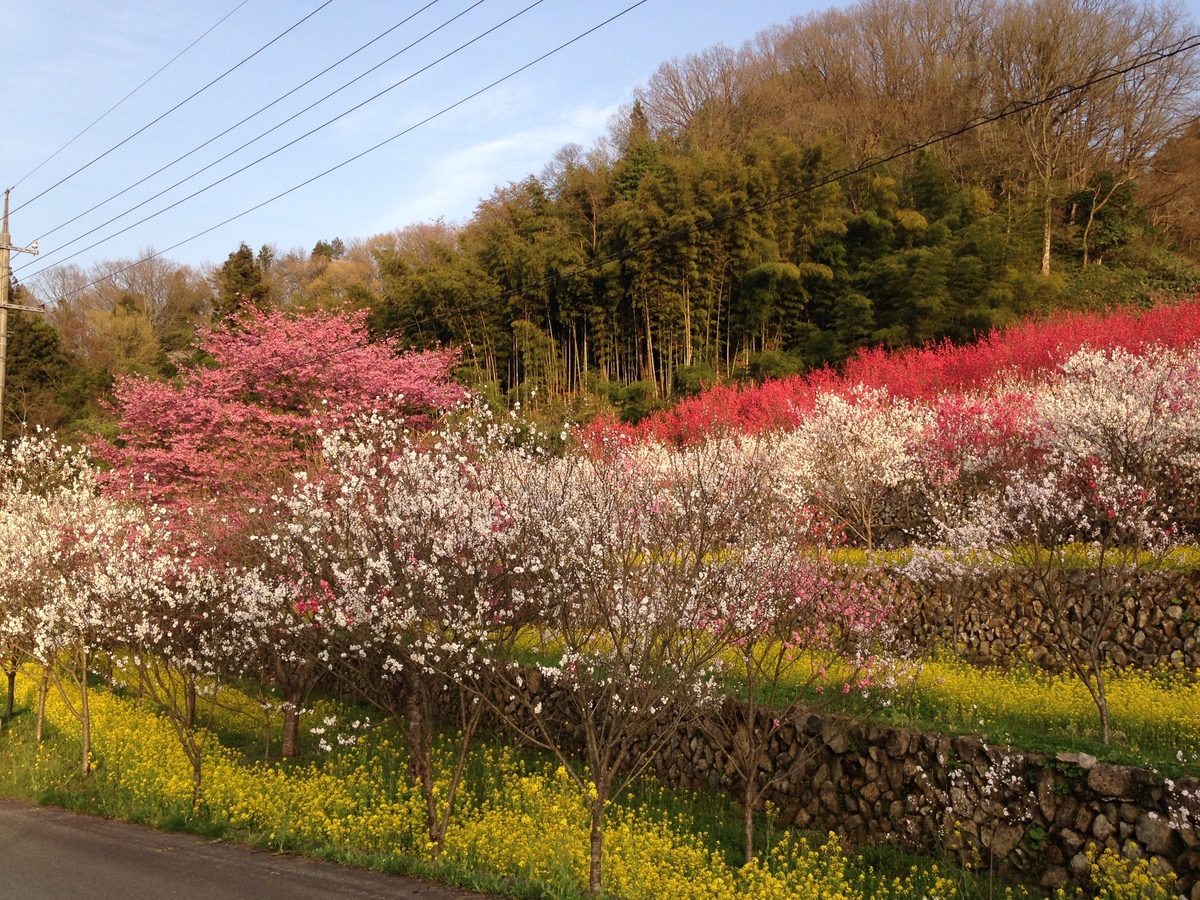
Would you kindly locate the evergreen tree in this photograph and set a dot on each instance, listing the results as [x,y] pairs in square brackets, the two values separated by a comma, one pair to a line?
[239,283]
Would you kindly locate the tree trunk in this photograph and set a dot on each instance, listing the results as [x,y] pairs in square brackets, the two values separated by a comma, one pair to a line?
[1047,216]
[597,856]
[12,688]
[420,756]
[649,372]
[43,689]
[197,762]
[85,718]
[687,323]
[748,820]
[744,750]
[1102,706]
[291,726]
[189,712]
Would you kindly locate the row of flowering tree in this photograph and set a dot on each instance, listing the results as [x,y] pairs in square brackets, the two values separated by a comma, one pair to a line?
[1084,481]
[595,602]
[636,581]
[282,515]
[1076,467]
[890,471]
[214,448]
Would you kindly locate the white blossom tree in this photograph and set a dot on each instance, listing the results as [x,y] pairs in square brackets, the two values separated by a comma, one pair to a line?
[1136,415]
[854,458]
[64,554]
[1085,519]
[401,565]
[636,557]
[181,633]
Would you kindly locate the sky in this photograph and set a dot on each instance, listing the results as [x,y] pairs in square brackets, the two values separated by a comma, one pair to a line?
[221,61]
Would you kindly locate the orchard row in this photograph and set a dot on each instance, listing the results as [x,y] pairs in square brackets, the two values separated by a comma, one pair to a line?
[313,507]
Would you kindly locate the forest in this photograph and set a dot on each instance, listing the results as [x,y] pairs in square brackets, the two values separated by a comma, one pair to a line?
[866,177]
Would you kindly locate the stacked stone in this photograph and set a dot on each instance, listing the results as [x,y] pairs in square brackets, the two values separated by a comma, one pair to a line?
[1026,816]
[992,617]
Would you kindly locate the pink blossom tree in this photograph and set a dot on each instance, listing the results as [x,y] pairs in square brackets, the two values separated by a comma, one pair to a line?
[215,447]
[800,626]
[235,430]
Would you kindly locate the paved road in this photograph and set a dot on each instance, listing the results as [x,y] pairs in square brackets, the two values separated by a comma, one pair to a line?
[49,854]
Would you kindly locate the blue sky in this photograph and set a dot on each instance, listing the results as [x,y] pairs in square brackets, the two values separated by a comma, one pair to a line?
[70,60]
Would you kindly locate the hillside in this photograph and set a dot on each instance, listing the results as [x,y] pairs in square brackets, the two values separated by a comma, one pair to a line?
[740,221]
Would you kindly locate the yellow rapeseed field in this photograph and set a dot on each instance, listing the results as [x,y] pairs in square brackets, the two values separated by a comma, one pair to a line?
[1152,713]
[517,823]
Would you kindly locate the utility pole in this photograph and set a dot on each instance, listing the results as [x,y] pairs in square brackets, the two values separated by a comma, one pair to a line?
[6,247]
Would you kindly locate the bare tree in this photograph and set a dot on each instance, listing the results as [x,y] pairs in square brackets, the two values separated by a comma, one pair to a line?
[1170,189]
[700,97]
[1039,46]
[1145,108]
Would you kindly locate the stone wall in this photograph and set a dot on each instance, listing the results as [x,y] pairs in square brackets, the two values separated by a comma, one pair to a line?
[988,618]
[1029,817]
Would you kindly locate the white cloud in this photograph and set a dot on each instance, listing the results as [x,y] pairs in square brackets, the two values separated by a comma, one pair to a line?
[451,185]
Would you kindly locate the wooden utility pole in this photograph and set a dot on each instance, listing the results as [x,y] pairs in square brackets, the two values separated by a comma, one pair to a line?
[6,247]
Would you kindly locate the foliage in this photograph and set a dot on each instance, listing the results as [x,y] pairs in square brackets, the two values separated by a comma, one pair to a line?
[240,284]
[256,415]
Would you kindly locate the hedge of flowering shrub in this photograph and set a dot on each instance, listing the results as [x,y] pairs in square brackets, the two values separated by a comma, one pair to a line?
[1025,352]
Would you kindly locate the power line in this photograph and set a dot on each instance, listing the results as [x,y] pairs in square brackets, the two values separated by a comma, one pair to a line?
[243,121]
[292,142]
[156,73]
[186,99]
[110,275]
[1008,110]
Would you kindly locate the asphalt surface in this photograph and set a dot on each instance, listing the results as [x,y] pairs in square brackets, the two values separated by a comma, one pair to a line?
[50,854]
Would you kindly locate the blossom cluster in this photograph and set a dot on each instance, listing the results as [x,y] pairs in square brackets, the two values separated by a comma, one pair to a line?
[1027,351]
[1109,440]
